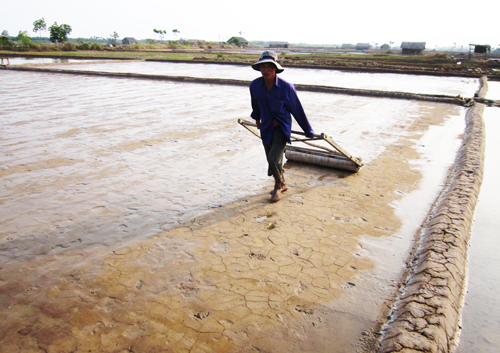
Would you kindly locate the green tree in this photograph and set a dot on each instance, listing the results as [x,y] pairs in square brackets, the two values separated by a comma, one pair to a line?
[6,44]
[24,39]
[5,33]
[161,33]
[113,37]
[235,41]
[59,34]
[176,32]
[39,26]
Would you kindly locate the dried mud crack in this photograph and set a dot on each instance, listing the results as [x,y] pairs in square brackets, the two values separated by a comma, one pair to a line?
[426,317]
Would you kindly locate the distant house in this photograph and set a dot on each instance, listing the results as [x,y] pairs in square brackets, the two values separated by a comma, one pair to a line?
[363,46]
[481,48]
[238,41]
[193,41]
[412,48]
[278,45]
[128,40]
[347,46]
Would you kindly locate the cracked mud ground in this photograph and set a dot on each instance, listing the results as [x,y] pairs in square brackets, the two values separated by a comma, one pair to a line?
[248,276]
[252,276]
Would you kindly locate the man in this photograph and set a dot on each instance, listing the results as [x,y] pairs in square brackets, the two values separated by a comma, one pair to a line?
[273,102]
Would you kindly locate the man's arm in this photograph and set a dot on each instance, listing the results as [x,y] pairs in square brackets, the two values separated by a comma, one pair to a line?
[255,109]
[298,112]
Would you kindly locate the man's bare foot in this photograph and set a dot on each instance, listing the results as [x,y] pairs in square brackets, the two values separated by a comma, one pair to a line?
[282,188]
[283,185]
[275,195]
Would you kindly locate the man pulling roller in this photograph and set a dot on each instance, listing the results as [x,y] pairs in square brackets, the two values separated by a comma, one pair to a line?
[274,101]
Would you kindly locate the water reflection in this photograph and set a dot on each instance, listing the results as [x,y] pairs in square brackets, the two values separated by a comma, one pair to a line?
[161,150]
[493,90]
[466,87]
[31,61]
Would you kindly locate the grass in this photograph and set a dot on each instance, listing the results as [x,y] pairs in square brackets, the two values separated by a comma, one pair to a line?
[430,62]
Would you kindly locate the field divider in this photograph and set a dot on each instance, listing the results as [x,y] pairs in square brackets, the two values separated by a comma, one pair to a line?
[457,100]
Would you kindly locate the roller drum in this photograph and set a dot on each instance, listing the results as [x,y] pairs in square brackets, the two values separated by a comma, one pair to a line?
[320,158]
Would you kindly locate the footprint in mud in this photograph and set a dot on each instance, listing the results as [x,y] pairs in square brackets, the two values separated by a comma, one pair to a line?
[348,285]
[201,315]
[304,310]
[187,289]
[262,218]
[271,226]
[257,256]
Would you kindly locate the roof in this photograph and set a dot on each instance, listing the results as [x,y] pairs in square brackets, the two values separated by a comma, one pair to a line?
[241,39]
[363,46]
[413,45]
[481,45]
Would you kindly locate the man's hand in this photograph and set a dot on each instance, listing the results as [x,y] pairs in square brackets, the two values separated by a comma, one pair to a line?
[257,122]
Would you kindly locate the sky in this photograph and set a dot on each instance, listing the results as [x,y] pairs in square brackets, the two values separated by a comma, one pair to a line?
[436,22]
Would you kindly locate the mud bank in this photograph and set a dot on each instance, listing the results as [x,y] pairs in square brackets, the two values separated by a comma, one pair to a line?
[426,317]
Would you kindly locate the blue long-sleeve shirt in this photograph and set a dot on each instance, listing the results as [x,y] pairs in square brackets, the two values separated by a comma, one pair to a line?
[277,104]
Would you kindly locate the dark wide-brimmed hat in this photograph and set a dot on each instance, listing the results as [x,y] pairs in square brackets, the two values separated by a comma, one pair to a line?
[268,57]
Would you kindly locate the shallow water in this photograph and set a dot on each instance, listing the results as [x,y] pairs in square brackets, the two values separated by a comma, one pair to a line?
[31,61]
[493,90]
[481,313]
[98,163]
[156,152]
[453,86]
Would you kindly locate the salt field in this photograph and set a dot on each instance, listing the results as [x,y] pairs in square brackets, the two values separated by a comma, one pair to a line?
[453,86]
[31,61]
[159,133]
[95,169]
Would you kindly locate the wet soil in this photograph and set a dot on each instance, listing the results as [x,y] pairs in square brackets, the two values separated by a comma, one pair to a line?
[108,269]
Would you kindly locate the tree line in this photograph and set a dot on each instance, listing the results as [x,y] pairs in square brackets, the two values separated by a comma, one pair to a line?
[59,33]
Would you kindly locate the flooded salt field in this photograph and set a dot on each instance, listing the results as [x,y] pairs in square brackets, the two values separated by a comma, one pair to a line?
[31,61]
[161,150]
[481,313]
[139,209]
[493,90]
[453,86]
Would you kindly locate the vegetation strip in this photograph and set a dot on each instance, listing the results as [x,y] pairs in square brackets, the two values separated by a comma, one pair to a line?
[432,64]
[426,317]
[220,81]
